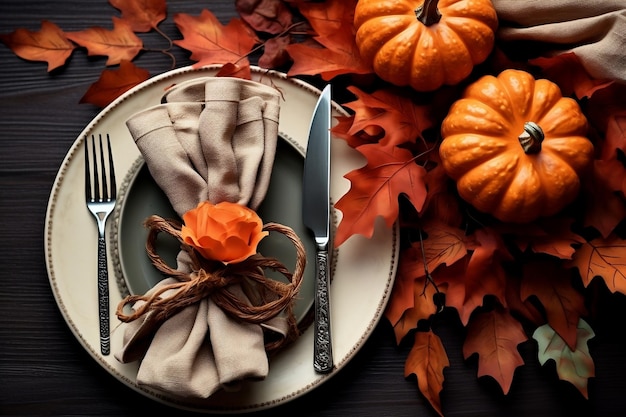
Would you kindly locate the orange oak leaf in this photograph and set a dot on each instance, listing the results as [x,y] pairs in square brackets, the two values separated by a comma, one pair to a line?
[495,335]
[118,44]
[143,15]
[423,307]
[49,44]
[113,83]
[337,53]
[375,189]
[427,360]
[615,137]
[569,74]
[398,116]
[210,42]
[604,208]
[605,258]
[552,285]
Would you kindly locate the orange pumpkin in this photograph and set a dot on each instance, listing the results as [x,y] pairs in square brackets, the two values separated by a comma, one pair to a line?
[515,146]
[424,44]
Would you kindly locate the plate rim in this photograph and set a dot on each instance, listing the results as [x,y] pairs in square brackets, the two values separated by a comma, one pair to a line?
[52,209]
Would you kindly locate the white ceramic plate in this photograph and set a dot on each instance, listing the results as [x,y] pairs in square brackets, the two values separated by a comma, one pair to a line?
[363,272]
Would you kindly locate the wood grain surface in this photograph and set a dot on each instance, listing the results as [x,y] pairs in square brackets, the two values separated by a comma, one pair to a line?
[45,371]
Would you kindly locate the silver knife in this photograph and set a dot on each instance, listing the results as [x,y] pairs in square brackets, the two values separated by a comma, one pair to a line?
[316,217]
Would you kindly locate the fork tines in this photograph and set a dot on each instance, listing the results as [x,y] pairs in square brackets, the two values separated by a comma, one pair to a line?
[104,187]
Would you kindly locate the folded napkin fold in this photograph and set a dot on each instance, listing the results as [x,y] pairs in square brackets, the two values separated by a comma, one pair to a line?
[594,30]
[210,139]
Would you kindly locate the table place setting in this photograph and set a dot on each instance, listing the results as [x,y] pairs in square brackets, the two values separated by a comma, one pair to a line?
[363,207]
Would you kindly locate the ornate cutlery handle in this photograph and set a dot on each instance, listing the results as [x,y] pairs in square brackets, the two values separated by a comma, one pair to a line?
[322,352]
[103,297]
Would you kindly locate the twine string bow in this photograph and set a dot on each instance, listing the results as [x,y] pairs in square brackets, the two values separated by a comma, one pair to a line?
[268,297]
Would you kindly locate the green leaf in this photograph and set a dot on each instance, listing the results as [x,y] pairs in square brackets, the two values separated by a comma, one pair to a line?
[574,366]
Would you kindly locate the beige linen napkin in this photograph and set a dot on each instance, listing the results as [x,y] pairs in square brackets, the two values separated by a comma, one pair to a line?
[595,30]
[210,139]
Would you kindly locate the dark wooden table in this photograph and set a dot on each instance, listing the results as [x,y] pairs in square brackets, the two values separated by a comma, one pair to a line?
[45,371]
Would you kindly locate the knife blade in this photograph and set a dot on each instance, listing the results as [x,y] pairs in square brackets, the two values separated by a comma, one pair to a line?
[316,217]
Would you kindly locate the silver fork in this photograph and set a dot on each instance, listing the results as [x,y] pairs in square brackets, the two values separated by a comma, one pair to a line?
[101,202]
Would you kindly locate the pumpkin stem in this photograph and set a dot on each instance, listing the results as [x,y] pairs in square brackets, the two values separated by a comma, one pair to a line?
[531,138]
[428,13]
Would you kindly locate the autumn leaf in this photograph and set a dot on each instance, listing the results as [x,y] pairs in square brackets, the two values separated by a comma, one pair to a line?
[441,203]
[485,274]
[552,285]
[398,116]
[615,137]
[119,44]
[210,42]
[568,73]
[573,365]
[375,189]
[444,245]
[143,15]
[332,22]
[605,258]
[553,236]
[242,71]
[48,44]
[523,307]
[423,307]
[427,360]
[269,16]
[495,335]
[113,83]
[604,208]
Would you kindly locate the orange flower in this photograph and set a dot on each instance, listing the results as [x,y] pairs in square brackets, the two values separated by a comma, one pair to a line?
[225,232]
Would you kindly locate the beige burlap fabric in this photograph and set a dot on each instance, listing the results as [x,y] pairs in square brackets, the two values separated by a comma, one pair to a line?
[210,139]
[594,30]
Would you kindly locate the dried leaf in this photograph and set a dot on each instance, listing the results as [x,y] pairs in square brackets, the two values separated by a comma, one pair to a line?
[48,44]
[119,44]
[573,365]
[375,189]
[553,236]
[270,16]
[605,258]
[495,335]
[615,137]
[427,360]
[233,70]
[569,74]
[210,42]
[113,83]
[275,52]
[552,285]
[143,15]
[337,53]
[400,118]
[423,307]
[604,208]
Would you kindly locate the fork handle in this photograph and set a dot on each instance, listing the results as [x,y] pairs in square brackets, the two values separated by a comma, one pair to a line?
[103,297]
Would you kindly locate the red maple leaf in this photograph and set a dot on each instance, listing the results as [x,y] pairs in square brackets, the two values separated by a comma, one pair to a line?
[48,44]
[375,188]
[336,52]
[210,42]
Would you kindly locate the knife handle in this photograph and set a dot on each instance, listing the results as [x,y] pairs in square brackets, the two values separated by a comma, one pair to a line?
[322,351]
